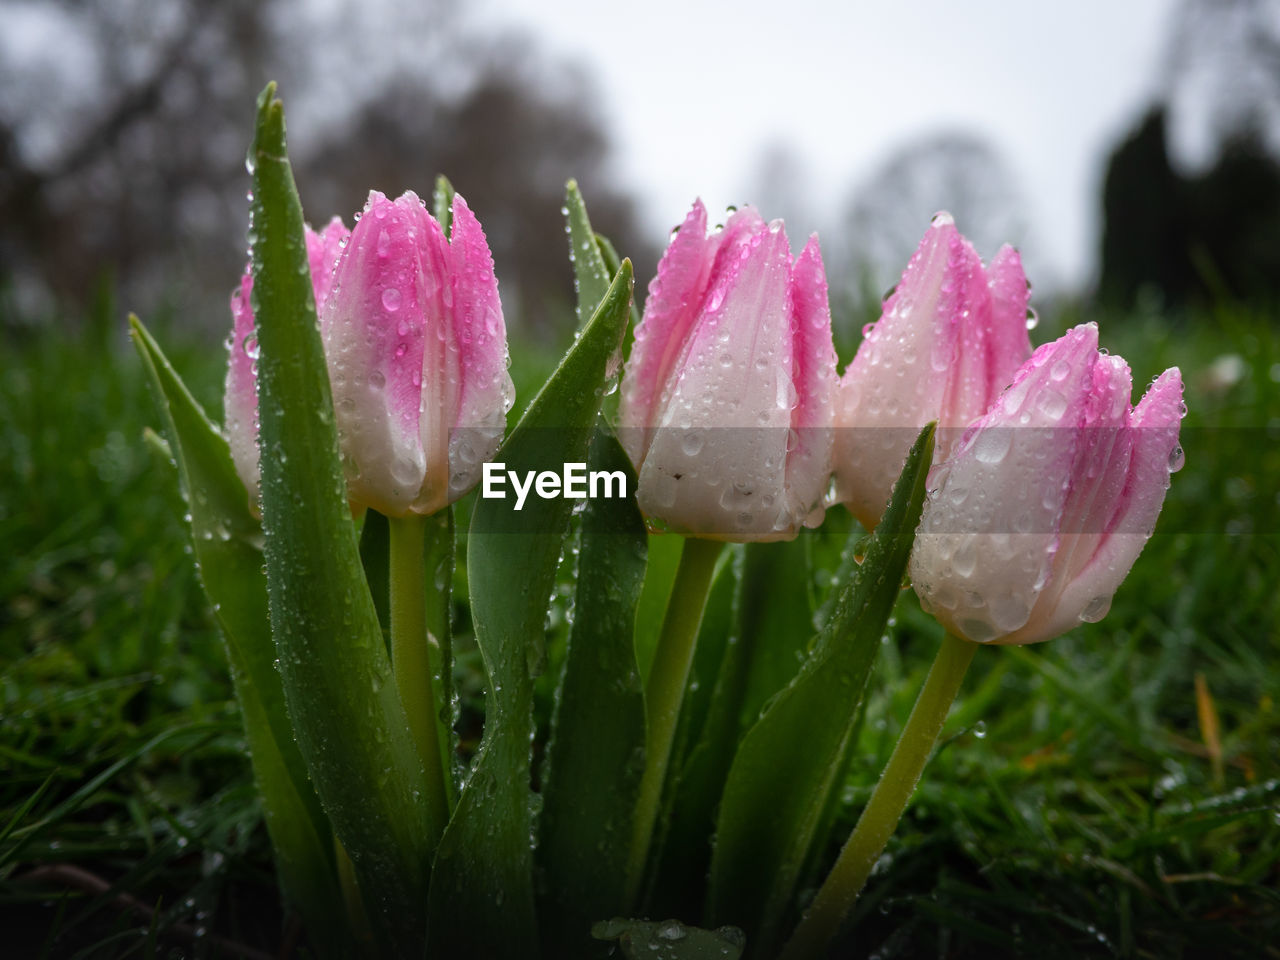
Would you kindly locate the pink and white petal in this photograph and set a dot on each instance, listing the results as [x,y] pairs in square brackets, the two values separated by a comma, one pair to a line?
[813,374]
[324,250]
[1009,344]
[1154,426]
[240,400]
[897,381]
[1103,445]
[716,465]
[439,381]
[728,241]
[374,334]
[1155,423]
[968,376]
[675,296]
[1103,453]
[486,392]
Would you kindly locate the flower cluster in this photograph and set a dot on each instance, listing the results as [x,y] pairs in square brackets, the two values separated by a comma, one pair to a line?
[1046,482]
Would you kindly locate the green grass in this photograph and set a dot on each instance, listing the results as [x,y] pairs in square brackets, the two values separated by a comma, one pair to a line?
[1075,807]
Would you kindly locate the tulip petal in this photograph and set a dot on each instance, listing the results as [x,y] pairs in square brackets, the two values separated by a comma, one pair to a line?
[669,314]
[1009,344]
[240,401]
[1103,445]
[1153,431]
[969,390]
[324,250]
[374,332]
[716,462]
[813,372]
[486,392]
[880,412]
[439,383]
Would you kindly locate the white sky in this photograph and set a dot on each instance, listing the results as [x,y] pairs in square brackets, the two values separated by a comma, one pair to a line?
[696,89]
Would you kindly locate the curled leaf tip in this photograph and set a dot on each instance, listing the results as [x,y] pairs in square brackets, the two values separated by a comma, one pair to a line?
[268,138]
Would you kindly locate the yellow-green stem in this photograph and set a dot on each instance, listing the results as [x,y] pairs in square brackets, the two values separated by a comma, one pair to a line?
[356,915]
[664,692]
[411,659]
[823,919]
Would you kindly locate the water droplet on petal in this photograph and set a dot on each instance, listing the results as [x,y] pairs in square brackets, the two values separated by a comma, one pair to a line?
[1096,609]
[992,444]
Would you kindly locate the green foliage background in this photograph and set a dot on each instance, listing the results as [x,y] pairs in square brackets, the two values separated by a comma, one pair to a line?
[1073,808]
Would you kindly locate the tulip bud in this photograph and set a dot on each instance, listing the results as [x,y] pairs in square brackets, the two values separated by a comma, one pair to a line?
[417,353]
[950,338]
[726,399]
[240,402]
[1047,500]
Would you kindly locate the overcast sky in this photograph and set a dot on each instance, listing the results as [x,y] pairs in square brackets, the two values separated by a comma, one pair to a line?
[696,89]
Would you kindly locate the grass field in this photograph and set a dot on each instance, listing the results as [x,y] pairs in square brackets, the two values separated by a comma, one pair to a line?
[1115,792]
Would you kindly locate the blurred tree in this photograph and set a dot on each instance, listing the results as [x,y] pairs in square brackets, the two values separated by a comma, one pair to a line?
[891,210]
[1145,209]
[1221,78]
[1209,228]
[508,143]
[123,129]
[119,144]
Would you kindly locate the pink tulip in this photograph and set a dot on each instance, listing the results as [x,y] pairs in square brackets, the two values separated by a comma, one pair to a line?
[241,398]
[417,353]
[950,338]
[726,399]
[1047,500]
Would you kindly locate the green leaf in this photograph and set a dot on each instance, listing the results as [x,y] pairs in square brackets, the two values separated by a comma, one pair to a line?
[228,552]
[590,273]
[442,204]
[775,620]
[789,763]
[598,730]
[670,940]
[611,261]
[350,725]
[771,626]
[659,578]
[482,900]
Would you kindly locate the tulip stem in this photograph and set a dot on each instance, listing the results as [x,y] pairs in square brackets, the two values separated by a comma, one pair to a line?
[411,658]
[664,692]
[824,917]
